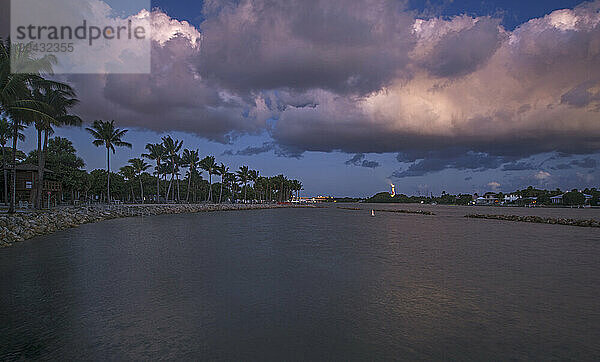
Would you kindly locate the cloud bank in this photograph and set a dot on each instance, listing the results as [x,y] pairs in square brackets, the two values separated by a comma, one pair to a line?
[368,76]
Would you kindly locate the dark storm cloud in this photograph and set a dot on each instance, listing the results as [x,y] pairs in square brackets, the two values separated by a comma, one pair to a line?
[346,46]
[587,162]
[562,166]
[366,76]
[264,148]
[504,97]
[360,160]
[518,166]
[459,53]
[252,150]
[583,94]
[171,97]
[437,161]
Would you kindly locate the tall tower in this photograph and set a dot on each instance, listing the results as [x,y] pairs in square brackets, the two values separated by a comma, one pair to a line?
[393,192]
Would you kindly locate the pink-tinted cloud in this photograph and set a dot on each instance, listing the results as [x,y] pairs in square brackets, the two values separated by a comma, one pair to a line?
[367,76]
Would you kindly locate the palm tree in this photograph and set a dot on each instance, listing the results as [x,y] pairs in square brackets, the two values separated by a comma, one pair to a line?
[58,101]
[243,175]
[190,159]
[222,171]
[261,184]
[197,177]
[230,181]
[157,153]
[178,164]
[107,135]
[164,170]
[16,99]
[298,187]
[209,165]
[129,173]
[172,148]
[253,176]
[5,135]
[139,166]
[279,183]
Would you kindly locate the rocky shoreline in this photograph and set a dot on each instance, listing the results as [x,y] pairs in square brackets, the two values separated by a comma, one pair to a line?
[417,212]
[23,226]
[538,220]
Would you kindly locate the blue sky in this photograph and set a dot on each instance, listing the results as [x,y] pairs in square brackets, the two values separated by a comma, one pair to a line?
[513,12]
[443,111]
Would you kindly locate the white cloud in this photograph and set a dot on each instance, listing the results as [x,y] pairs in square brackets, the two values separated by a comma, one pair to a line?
[542,175]
[494,185]
[380,81]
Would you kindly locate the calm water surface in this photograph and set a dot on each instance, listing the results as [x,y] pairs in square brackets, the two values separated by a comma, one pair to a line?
[306,284]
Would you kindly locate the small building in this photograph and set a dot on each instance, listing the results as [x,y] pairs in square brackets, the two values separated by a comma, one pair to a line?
[316,199]
[511,198]
[488,199]
[557,200]
[27,180]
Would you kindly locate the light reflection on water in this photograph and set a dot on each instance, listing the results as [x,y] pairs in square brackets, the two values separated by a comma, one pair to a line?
[306,284]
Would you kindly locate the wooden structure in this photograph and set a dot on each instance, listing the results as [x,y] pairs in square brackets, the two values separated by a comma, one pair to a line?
[27,181]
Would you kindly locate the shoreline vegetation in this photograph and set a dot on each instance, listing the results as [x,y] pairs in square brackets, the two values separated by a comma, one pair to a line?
[529,197]
[54,175]
[24,226]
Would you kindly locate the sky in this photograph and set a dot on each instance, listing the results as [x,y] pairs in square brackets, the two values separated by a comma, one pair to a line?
[350,96]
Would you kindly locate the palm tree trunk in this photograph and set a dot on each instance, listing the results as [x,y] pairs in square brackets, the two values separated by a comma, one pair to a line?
[171,181]
[142,188]
[108,172]
[157,182]
[210,187]
[39,184]
[41,166]
[187,194]
[169,188]
[221,192]
[245,189]
[5,175]
[13,197]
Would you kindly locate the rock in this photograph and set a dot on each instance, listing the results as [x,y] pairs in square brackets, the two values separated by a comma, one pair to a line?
[538,220]
[16,228]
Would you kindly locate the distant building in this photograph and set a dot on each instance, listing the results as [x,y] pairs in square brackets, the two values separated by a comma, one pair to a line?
[316,199]
[488,199]
[557,200]
[511,198]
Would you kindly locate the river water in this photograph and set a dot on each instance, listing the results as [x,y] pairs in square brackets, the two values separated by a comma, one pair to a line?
[306,284]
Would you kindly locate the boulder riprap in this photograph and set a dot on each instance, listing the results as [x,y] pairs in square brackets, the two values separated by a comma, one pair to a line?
[538,220]
[23,226]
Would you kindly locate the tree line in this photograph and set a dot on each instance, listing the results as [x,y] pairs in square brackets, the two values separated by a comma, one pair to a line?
[524,197]
[28,99]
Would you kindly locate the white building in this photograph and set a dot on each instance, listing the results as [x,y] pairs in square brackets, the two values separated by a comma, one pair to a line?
[556,200]
[511,198]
